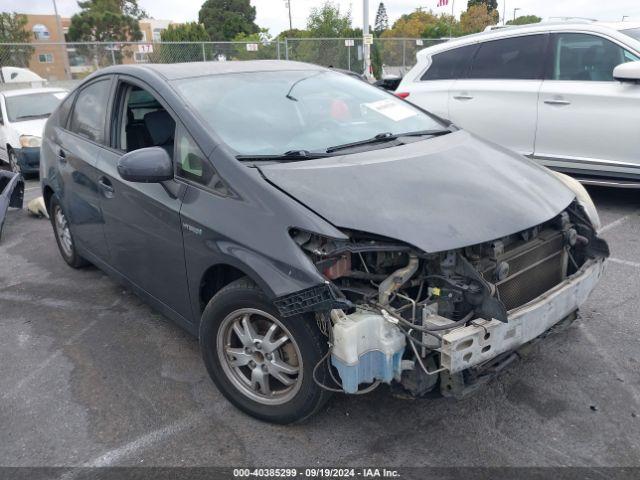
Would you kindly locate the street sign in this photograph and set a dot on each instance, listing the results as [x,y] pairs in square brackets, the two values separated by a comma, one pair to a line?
[350,42]
[419,42]
[367,39]
[252,47]
[145,48]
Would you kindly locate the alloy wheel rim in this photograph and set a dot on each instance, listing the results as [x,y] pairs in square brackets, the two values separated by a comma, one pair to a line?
[63,232]
[259,356]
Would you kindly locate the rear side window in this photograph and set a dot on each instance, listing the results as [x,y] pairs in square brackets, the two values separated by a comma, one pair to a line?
[89,113]
[583,57]
[518,58]
[451,64]
[62,115]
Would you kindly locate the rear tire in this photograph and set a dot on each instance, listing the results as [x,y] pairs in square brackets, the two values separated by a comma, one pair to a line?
[262,363]
[62,232]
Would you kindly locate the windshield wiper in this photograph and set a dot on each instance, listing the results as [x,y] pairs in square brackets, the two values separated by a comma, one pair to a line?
[291,156]
[387,137]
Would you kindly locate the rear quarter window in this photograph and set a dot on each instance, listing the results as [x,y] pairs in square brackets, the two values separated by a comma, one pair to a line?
[450,64]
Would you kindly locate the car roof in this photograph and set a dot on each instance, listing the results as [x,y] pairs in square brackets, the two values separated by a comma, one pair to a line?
[175,71]
[542,27]
[28,91]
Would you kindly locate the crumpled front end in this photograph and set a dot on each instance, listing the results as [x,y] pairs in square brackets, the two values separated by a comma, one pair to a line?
[393,313]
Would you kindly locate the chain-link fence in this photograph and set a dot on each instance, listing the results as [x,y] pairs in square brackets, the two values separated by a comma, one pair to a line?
[73,61]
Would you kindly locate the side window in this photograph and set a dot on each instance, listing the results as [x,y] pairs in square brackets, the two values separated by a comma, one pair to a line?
[89,113]
[518,58]
[583,57]
[1,116]
[143,121]
[450,64]
[63,110]
[191,163]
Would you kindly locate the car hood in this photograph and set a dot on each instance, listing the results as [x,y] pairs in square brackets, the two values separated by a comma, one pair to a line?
[30,127]
[438,194]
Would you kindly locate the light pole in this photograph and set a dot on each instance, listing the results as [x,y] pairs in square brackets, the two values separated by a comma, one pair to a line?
[514,13]
[365,33]
[65,55]
[287,3]
[504,13]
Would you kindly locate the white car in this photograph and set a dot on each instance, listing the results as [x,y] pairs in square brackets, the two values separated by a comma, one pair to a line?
[23,114]
[555,92]
[20,75]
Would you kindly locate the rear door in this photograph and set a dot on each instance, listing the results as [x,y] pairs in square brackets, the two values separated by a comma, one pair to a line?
[142,220]
[431,90]
[77,150]
[499,99]
[587,120]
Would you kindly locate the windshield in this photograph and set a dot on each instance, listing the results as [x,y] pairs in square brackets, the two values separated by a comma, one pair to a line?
[633,33]
[270,113]
[32,105]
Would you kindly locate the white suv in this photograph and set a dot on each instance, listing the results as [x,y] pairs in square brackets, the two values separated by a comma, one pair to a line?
[547,91]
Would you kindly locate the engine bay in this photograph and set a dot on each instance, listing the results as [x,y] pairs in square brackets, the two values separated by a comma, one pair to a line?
[394,304]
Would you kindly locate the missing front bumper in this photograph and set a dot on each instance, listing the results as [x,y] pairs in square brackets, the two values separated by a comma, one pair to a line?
[485,340]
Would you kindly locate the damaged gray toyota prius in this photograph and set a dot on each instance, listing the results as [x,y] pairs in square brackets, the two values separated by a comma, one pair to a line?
[317,234]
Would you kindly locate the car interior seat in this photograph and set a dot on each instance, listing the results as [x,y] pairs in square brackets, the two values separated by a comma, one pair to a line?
[161,128]
[136,133]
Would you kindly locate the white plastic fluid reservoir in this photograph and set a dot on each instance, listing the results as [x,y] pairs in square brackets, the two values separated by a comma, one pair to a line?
[366,348]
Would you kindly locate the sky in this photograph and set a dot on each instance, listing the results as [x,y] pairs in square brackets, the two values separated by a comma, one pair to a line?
[273,14]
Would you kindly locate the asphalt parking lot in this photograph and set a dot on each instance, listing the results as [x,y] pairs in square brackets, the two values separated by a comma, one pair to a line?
[89,375]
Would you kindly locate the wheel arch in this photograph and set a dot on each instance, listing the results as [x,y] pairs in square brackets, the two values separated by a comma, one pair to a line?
[218,276]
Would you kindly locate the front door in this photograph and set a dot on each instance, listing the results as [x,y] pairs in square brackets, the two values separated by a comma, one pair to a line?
[499,99]
[142,220]
[587,120]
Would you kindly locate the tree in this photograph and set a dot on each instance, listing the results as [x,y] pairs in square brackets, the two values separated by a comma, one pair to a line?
[445,26]
[326,21]
[492,5]
[382,20]
[106,21]
[477,18]
[12,30]
[224,19]
[185,32]
[525,20]
[411,25]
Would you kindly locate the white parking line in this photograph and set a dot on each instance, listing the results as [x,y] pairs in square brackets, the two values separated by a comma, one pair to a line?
[145,441]
[625,262]
[31,188]
[615,223]
[36,371]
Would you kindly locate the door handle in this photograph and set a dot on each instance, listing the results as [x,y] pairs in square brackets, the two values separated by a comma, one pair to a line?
[463,97]
[62,156]
[557,101]
[106,187]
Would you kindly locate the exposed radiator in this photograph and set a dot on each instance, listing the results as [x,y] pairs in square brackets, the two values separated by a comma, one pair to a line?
[534,268]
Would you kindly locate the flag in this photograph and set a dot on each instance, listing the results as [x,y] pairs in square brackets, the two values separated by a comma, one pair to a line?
[443,3]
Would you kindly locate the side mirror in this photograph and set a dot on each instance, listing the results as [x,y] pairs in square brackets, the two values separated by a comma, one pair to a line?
[147,165]
[627,72]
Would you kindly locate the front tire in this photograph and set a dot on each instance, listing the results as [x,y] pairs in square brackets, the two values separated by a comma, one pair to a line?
[62,232]
[262,363]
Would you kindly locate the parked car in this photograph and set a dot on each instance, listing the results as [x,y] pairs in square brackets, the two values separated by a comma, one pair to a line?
[23,114]
[20,75]
[555,92]
[316,233]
